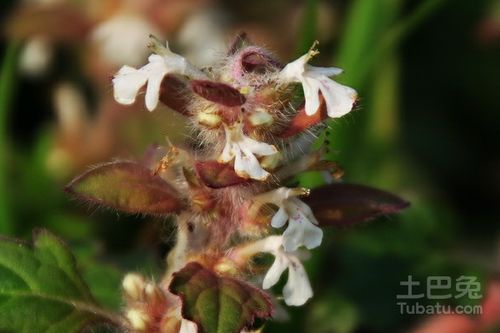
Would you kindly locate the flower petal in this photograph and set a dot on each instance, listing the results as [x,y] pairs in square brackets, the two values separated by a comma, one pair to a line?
[339,98]
[258,148]
[274,273]
[301,232]
[311,89]
[322,71]
[126,84]
[297,289]
[188,327]
[249,166]
[279,219]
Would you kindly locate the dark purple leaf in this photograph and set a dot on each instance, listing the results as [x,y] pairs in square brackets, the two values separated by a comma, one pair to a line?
[126,186]
[345,204]
[217,92]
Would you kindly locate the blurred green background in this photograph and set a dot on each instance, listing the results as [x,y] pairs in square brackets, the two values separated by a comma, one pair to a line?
[426,128]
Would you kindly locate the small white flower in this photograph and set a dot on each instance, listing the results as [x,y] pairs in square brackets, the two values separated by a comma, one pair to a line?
[302,227]
[36,56]
[339,98]
[297,289]
[244,150]
[129,80]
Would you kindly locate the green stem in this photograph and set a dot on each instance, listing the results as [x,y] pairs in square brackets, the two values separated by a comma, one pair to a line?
[7,85]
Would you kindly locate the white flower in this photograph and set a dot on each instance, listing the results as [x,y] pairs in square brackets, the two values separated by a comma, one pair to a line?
[302,227]
[339,98]
[36,56]
[109,36]
[129,80]
[243,150]
[297,289]
[188,326]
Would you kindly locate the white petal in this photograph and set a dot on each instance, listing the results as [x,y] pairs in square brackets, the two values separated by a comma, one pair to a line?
[298,288]
[188,327]
[269,244]
[305,209]
[249,165]
[126,84]
[339,98]
[274,273]
[311,90]
[322,71]
[301,232]
[258,148]
[153,90]
[293,72]
[279,219]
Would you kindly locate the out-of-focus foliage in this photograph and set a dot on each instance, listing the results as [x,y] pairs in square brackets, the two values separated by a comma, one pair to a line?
[426,127]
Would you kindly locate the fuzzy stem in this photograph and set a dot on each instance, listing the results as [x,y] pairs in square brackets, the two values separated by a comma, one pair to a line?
[176,259]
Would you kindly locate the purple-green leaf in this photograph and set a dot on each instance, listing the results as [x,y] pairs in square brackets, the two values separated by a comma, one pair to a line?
[345,204]
[126,186]
[218,304]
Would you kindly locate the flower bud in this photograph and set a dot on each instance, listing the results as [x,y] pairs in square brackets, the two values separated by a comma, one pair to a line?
[271,162]
[261,118]
[138,320]
[133,284]
[210,120]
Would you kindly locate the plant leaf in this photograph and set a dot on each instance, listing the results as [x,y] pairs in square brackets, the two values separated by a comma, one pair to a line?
[218,175]
[219,93]
[41,290]
[126,186]
[346,204]
[218,304]
[173,94]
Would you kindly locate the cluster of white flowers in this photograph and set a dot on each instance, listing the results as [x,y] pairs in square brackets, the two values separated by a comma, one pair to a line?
[243,149]
[339,99]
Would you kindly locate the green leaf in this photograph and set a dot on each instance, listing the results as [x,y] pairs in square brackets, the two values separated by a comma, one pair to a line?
[126,186]
[41,289]
[218,304]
